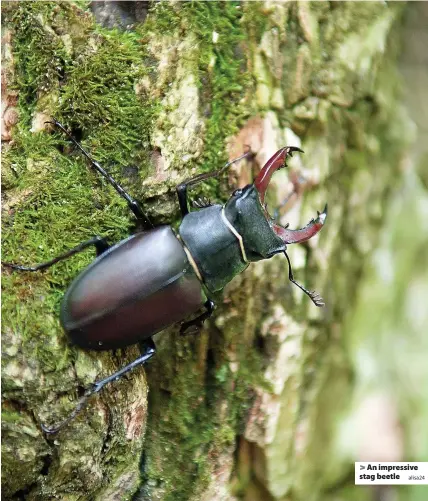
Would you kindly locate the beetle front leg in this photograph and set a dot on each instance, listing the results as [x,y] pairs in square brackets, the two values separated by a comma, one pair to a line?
[133,204]
[198,321]
[150,350]
[100,244]
[182,187]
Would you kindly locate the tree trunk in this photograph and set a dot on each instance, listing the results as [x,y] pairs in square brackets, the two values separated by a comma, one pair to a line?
[158,93]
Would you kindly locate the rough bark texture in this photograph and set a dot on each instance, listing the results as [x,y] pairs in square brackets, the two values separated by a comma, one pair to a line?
[248,408]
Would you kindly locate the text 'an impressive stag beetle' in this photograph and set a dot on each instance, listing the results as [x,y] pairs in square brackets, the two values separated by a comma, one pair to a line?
[156,278]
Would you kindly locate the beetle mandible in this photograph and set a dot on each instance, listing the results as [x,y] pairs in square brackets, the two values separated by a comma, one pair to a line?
[119,299]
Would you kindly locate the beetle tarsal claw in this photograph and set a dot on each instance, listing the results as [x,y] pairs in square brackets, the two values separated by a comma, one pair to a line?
[316,298]
[81,404]
[202,203]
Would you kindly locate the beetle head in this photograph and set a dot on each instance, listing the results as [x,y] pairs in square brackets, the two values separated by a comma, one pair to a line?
[262,235]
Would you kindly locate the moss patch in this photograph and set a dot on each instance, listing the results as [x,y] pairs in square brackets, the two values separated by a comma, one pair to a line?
[85,76]
[220,69]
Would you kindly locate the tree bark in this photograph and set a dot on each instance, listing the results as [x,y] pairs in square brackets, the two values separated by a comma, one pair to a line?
[247,408]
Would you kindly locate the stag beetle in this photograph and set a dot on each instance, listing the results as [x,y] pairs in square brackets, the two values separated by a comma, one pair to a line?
[158,277]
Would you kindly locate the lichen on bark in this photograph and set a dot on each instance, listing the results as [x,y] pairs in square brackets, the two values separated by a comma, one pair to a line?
[245,410]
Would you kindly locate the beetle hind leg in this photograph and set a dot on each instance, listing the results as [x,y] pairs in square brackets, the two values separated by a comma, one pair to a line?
[149,351]
[100,244]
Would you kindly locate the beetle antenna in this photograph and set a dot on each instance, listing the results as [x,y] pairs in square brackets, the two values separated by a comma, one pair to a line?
[315,297]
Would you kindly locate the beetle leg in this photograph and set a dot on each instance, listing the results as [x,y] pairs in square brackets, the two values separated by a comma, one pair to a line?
[133,204]
[150,350]
[182,187]
[100,244]
[198,321]
[315,297]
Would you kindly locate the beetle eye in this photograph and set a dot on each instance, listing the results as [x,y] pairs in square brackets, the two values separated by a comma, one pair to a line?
[237,193]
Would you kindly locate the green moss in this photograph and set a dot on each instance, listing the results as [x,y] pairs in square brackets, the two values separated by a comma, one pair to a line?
[39,53]
[88,85]
[220,68]
[85,76]
[25,455]
[196,421]
[227,85]
[256,21]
